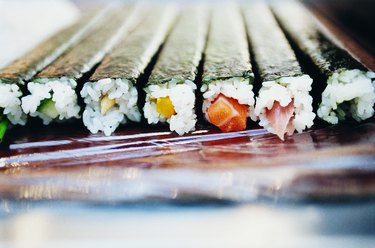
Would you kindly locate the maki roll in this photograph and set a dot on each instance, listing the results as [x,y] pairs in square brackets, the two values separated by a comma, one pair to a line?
[111,95]
[13,77]
[52,91]
[283,104]
[227,89]
[349,88]
[170,89]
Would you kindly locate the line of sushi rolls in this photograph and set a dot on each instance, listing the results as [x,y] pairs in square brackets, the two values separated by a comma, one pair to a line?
[238,63]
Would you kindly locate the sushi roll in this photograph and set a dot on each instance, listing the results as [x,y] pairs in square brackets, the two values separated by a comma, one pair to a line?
[170,96]
[283,104]
[10,105]
[111,94]
[52,91]
[227,79]
[13,77]
[349,88]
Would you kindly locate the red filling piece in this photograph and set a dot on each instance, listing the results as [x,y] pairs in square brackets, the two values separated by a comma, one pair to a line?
[227,114]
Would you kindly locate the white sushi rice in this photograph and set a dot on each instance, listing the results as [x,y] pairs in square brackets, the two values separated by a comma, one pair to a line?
[122,91]
[354,87]
[62,92]
[10,103]
[237,88]
[183,99]
[284,90]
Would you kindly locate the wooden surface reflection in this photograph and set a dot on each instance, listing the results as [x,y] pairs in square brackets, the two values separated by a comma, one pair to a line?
[328,162]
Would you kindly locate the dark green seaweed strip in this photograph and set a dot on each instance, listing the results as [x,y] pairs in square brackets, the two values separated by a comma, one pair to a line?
[273,55]
[24,68]
[90,51]
[227,53]
[130,58]
[310,41]
[183,50]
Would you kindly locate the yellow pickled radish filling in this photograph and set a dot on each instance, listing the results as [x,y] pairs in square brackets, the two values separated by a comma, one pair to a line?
[165,107]
[106,104]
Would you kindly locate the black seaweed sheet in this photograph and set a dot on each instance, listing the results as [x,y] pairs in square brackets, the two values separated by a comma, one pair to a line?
[183,50]
[307,37]
[130,58]
[24,68]
[273,55]
[85,55]
[227,53]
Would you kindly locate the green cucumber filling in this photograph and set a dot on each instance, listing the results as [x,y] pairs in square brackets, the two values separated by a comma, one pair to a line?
[343,110]
[47,107]
[4,123]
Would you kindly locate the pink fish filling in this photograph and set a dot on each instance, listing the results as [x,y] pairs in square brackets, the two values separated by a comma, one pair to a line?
[281,119]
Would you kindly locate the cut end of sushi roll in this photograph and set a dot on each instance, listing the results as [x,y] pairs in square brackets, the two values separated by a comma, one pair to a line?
[109,103]
[349,93]
[10,103]
[51,99]
[227,103]
[285,105]
[172,102]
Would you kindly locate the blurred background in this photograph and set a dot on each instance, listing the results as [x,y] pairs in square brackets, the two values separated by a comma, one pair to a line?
[355,16]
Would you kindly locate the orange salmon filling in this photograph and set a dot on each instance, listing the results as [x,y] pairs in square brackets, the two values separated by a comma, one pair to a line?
[227,114]
[281,119]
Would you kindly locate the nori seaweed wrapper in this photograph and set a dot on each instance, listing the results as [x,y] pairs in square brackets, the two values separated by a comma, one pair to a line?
[24,68]
[130,58]
[227,52]
[307,37]
[183,50]
[85,55]
[272,52]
